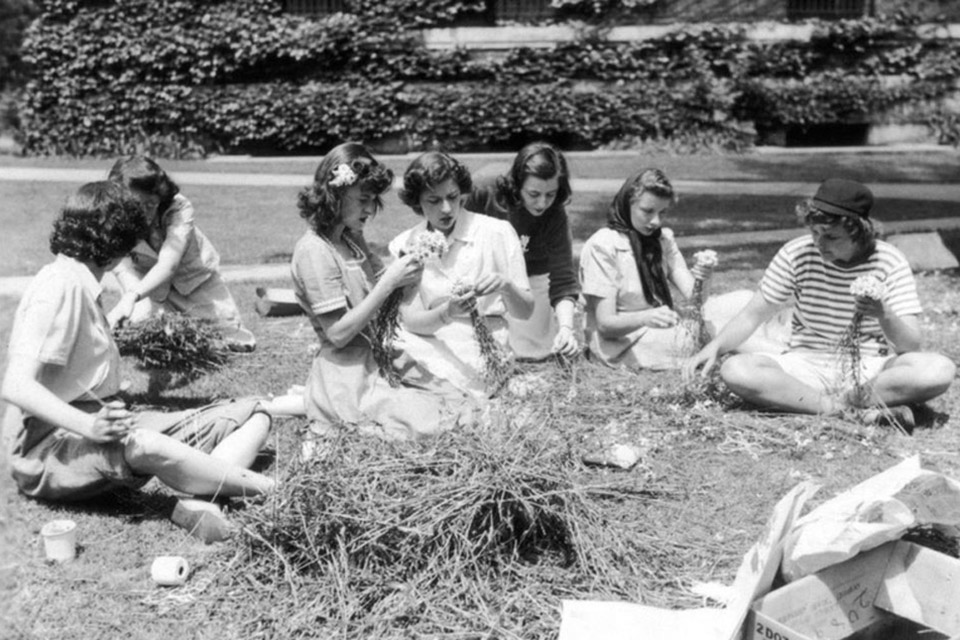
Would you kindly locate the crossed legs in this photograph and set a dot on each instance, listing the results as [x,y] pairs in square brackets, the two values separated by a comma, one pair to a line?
[224,471]
[908,378]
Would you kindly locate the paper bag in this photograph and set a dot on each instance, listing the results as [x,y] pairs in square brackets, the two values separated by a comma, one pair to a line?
[876,511]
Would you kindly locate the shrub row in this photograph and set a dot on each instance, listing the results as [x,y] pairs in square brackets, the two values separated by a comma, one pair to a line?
[181,119]
[313,116]
[248,41]
[186,75]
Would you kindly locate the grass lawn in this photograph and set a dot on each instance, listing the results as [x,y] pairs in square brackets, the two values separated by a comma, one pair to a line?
[712,472]
[381,540]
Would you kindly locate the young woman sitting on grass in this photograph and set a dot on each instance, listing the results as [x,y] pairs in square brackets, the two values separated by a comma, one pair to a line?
[532,196]
[818,272]
[627,269]
[73,437]
[481,270]
[174,266]
[342,285]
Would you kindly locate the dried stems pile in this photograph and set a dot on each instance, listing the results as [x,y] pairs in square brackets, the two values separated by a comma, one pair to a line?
[483,531]
[178,346]
[480,531]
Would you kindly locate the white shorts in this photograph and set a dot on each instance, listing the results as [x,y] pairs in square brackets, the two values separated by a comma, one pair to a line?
[826,371]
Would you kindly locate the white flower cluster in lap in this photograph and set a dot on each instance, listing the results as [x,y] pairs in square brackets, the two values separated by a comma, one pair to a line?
[867,286]
[429,245]
[343,176]
[706,258]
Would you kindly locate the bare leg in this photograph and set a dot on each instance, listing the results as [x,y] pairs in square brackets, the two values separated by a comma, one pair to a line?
[760,380]
[911,378]
[291,404]
[242,446]
[190,470]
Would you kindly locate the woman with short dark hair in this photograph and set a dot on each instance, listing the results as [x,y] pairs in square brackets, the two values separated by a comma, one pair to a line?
[482,268]
[75,438]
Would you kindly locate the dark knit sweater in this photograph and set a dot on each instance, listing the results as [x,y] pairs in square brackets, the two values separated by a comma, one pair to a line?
[549,248]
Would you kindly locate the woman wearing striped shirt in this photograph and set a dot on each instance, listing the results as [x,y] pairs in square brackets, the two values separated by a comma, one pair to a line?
[815,272]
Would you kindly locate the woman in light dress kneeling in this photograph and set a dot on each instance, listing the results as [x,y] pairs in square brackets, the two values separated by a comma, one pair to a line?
[342,285]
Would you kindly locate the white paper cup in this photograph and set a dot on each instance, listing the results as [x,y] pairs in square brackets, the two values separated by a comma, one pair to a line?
[60,540]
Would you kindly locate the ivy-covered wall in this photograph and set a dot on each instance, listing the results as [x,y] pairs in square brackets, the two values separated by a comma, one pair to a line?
[173,77]
[947,10]
[15,15]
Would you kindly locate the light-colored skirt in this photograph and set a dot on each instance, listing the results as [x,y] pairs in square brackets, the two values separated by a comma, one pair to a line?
[532,339]
[345,390]
[453,354]
[660,349]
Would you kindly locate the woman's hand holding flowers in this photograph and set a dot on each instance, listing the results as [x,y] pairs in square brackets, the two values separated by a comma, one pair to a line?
[405,270]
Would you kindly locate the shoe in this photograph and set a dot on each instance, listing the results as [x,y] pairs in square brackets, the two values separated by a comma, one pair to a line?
[201,519]
[900,417]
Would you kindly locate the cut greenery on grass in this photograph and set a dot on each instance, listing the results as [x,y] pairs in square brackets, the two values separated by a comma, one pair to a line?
[478,533]
[173,348]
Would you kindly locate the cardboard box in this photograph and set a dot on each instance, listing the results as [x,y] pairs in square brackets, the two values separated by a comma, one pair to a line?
[273,303]
[897,591]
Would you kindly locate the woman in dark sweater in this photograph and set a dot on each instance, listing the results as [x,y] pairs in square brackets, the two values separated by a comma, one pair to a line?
[531,196]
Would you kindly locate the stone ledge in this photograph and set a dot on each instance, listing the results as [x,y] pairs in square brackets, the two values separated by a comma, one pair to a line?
[511,37]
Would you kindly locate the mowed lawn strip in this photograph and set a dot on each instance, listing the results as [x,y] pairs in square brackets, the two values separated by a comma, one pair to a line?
[260,224]
[940,165]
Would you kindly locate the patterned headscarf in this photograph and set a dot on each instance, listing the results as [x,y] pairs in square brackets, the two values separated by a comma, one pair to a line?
[647,251]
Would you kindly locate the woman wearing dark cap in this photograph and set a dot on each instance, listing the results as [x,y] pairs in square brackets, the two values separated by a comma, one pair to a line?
[823,273]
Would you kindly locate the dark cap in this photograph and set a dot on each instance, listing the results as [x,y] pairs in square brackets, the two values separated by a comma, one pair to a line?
[840,197]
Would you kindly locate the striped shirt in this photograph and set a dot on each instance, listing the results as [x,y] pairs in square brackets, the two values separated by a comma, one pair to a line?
[824,306]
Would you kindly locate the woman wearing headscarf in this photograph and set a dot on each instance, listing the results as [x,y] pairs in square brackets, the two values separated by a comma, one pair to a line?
[630,272]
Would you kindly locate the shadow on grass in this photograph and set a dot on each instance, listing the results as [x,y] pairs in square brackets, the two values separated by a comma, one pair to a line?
[151,401]
[926,417]
[126,503]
